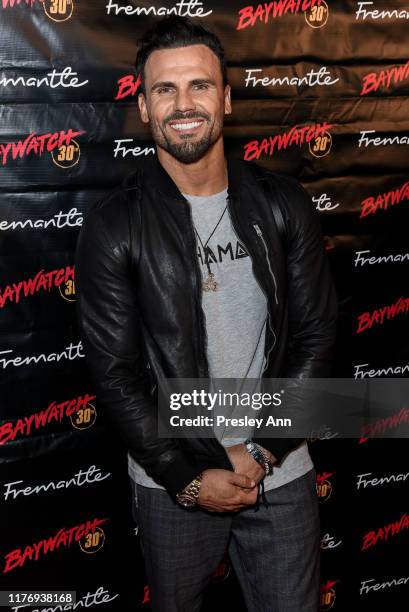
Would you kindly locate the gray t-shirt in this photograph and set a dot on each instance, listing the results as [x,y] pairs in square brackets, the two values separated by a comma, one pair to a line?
[235,317]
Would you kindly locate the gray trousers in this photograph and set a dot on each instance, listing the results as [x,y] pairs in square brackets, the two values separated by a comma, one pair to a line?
[275,549]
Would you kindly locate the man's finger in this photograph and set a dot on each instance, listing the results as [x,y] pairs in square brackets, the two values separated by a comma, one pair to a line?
[241,480]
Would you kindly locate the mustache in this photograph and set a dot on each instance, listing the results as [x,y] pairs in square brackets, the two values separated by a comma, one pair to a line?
[192,115]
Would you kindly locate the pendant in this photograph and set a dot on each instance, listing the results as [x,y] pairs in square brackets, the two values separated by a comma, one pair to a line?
[210,284]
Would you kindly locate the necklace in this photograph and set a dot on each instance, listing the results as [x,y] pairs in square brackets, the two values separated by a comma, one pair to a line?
[209,284]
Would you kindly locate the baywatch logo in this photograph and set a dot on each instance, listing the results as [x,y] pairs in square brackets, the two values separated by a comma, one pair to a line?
[79,410]
[379,316]
[317,137]
[380,426]
[222,571]
[128,85]
[324,486]
[84,417]
[373,81]
[60,278]
[328,595]
[373,537]
[384,201]
[89,535]
[65,151]
[315,12]
[57,10]
[11,3]
[146,597]
[322,433]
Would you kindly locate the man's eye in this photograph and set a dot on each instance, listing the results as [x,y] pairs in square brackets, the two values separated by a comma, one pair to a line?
[164,90]
[201,86]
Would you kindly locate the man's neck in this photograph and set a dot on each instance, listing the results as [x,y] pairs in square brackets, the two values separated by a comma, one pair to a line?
[204,177]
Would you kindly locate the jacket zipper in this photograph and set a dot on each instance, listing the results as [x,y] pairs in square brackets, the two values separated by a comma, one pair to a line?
[198,300]
[260,234]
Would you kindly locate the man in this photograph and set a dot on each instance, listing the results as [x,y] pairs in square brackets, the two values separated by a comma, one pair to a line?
[182,273]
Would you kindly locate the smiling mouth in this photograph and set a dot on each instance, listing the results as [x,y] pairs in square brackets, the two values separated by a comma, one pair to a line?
[184,126]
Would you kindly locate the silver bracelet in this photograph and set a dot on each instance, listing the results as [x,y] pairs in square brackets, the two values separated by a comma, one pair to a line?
[257,453]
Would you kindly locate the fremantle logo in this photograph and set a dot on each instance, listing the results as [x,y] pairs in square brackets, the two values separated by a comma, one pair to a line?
[361,259]
[375,482]
[322,202]
[329,542]
[367,585]
[56,78]
[122,150]
[311,79]
[59,221]
[361,371]
[363,13]
[183,8]
[82,477]
[379,142]
[71,352]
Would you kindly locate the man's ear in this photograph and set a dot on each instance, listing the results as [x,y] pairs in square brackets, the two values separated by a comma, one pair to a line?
[227,100]
[142,108]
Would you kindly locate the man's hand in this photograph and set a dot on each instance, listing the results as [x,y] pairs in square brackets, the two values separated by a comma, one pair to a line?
[226,491]
[244,463]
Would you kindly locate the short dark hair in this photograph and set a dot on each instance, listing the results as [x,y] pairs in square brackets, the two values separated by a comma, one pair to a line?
[173,32]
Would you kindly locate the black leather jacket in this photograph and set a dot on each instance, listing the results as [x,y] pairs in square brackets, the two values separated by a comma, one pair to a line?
[140,315]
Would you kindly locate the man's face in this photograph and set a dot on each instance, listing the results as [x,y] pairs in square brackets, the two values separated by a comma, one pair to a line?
[184,100]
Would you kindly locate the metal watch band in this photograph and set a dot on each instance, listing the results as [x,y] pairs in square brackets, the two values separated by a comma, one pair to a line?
[257,453]
[188,497]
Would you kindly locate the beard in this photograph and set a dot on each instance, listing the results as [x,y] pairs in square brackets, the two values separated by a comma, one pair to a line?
[190,150]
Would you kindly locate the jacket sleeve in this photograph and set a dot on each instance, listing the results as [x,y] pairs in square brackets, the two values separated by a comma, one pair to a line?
[312,301]
[109,325]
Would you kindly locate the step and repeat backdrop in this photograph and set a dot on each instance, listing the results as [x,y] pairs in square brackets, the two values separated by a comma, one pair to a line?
[321,92]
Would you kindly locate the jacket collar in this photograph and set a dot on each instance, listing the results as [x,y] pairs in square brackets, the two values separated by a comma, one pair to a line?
[161,180]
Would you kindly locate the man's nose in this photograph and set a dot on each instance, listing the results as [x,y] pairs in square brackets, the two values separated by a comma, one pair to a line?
[184,100]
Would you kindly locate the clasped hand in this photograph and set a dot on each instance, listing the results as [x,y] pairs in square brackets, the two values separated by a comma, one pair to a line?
[226,491]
